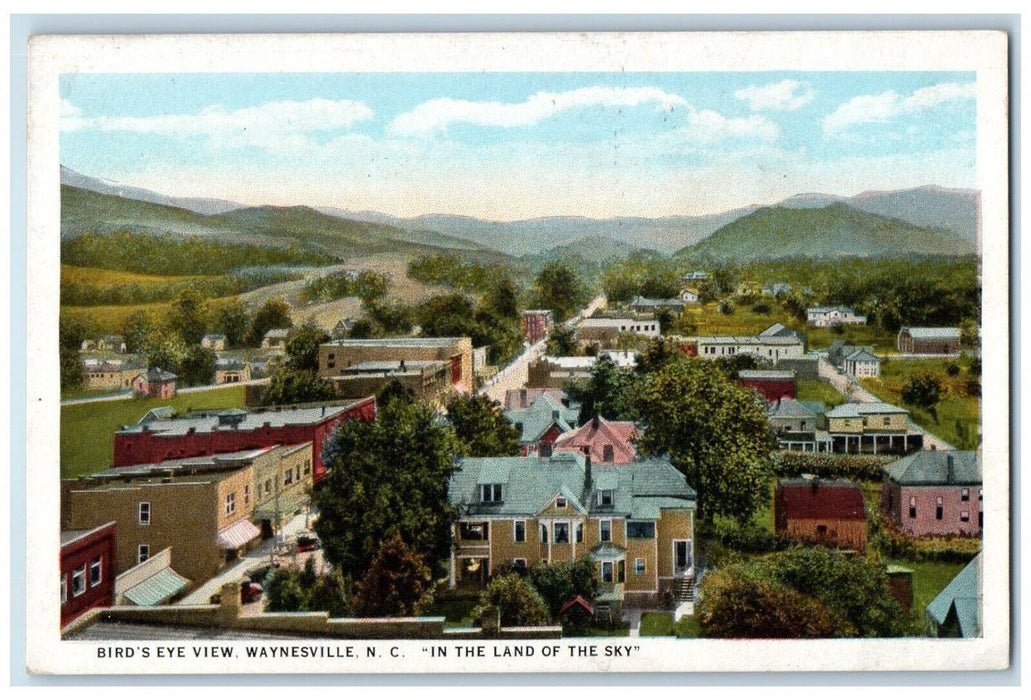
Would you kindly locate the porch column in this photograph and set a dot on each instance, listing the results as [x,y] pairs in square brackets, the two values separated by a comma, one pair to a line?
[451,570]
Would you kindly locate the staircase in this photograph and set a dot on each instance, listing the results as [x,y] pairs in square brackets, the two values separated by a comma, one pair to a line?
[683,589]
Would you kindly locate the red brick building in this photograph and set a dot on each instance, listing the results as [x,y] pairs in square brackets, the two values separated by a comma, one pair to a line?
[155,383]
[234,430]
[821,511]
[772,384]
[537,323]
[87,570]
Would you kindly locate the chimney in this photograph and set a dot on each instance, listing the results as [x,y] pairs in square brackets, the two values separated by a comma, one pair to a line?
[587,468]
[950,465]
[402,367]
[595,423]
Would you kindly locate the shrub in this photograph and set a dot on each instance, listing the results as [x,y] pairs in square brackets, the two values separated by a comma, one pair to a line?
[518,601]
[856,467]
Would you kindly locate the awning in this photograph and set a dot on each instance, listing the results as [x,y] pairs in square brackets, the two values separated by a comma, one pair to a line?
[288,505]
[607,551]
[236,536]
[157,589]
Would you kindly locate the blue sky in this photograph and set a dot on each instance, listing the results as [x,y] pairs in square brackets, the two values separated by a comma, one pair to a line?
[518,145]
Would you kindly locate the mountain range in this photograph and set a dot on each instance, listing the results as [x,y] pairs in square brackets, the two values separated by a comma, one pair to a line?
[925,220]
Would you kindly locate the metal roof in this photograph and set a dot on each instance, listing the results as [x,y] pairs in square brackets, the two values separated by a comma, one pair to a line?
[962,597]
[158,589]
[252,420]
[929,333]
[857,410]
[766,374]
[931,467]
[397,342]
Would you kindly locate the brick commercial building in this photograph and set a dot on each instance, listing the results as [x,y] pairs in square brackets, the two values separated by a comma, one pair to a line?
[339,355]
[429,380]
[87,569]
[537,323]
[233,430]
[771,384]
[934,493]
[928,341]
[821,511]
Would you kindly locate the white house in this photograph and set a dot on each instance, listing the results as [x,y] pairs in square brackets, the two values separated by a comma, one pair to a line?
[862,364]
[827,316]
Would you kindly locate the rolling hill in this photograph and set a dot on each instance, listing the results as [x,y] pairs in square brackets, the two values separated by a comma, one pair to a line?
[835,230]
[199,205]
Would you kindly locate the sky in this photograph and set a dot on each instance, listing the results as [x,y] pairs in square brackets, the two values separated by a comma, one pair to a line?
[506,146]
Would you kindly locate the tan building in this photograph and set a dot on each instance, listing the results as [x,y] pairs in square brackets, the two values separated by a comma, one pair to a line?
[200,507]
[429,380]
[282,485]
[108,375]
[231,371]
[636,523]
[337,356]
[873,427]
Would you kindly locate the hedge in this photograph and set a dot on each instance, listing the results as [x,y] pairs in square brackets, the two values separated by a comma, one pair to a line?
[953,549]
[856,467]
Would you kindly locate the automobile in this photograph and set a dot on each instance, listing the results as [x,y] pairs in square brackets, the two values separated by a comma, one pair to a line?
[250,592]
[308,543]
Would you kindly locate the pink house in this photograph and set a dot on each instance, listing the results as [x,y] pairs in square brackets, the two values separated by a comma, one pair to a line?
[609,442]
[934,493]
[155,383]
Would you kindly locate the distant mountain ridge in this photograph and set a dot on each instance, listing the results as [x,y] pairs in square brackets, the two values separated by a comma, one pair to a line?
[200,205]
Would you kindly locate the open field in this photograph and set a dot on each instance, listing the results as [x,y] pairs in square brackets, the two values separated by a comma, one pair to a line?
[883,341]
[959,415]
[111,319]
[107,278]
[87,430]
[816,390]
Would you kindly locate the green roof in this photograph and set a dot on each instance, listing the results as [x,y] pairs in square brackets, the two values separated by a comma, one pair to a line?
[540,415]
[157,589]
[931,468]
[961,599]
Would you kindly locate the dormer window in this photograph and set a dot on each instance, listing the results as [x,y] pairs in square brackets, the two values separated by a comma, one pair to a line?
[608,453]
[490,493]
[560,502]
[605,497]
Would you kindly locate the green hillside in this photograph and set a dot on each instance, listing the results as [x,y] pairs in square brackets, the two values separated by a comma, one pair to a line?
[837,230]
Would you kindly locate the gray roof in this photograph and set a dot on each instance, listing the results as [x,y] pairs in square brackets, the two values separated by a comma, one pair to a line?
[209,423]
[540,415]
[962,597]
[937,333]
[396,342]
[931,467]
[646,301]
[790,408]
[69,536]
[778,330]
[392,366]
[531,483]
[748,340]
[156,374]
[861,355]
[827,309]
[857,410]
[219,460]
[278,333]
[766,374]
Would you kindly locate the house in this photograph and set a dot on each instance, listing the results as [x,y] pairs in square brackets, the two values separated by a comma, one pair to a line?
[114,343]
[798,425]
[608,442]
[828,316]
[690,296]
[155,383]
[429,380]
[928,341]
[776,289]
[872,428]
[275,339]
[820,511]
[635,524]
[608,330]
[524,398]
[769,348]
[957,610]
[337,355]
[202,511]
[557,372]
[541,423]
[771,384]
[645,305]
[109,375]
[860,363]
[779,330]
[343,328]
[624,359]
[695,276]
[537,323]
[213,341]
[934,493]
[231,430]
[231,371]
[151,582]
[87,569]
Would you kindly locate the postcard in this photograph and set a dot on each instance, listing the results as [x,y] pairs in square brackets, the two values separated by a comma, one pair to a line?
[469,353]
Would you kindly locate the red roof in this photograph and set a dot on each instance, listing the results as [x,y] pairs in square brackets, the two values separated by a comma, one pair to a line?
[598,433]
[576,601]
[811,499]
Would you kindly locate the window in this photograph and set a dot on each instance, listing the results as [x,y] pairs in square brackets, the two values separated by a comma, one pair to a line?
[638,567]
[142,553]
[579,532]
[608,454]
[912,506]
[519,564]
[620,571]
[544,534]
[307,467]
[288,477]
[246,494]
[605,497]
[964,494]
[939,508]
[230,503]
[821,529]
[78,581]
[640,530]
[606,572]
[560,502]
[95,573]
[964,516]
[561,533]
[268,486]
[520,531]
[472,531]
[546,449]
[980,494]
[298,475]
[605,527]
[490,493]
[64,589]
[144,513]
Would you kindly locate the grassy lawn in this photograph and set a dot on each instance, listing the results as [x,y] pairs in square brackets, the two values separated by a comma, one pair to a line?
[687,628]
[958,414]
[929,578]
[882,341]
[457,612]
[816,390]
[87,430]
[708,320]
[620,630]
[656,624]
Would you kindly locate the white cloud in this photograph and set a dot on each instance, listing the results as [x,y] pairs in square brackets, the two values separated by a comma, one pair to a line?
[785,96]
[706,126]
[261,123]
[436,115]
[867,109]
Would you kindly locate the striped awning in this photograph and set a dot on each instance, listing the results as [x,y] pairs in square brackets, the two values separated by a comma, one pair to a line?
[157,589]
[237,535]
[607,551]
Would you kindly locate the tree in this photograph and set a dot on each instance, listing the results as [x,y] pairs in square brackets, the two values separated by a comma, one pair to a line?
[370,286]
[285,593]
[481,427]
[502,298]
[292,386]
[558,584]
[70,335]
[561,342]
[969,335]
[188,317]
[137,328]
[302,346]
[388,477]
[607,393]
[714,432]
[165,350]
[560,288]
[386,317]
[395,584]
[197,366]
[923,391]
[520,605]
[232,320]
[290,590]
[274,313]
[395,391]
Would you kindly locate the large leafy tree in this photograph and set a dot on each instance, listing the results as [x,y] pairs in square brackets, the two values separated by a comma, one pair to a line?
[274,313]
[302,347]
[924,391]
[714,432]
[136,329]
[70,334]
[559,287]
[232,320]
[197,366]
[560,583]
[607,393]
[292,386]
[388,477]
[481,427]
[519,604]
[396,583]
[188,316]
[561,342]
